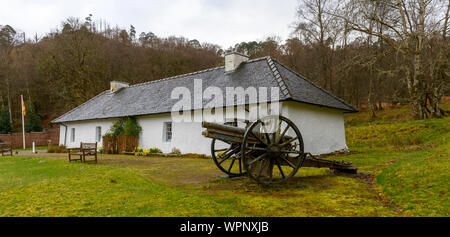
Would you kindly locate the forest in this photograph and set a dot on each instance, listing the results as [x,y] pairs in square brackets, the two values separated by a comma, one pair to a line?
[372,54]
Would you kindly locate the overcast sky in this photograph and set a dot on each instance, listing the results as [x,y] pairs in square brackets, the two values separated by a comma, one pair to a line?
[222,22]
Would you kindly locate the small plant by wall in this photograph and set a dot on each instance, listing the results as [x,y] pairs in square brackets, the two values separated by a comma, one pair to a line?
[147,152]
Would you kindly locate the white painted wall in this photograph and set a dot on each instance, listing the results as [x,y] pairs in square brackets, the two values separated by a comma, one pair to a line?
[322,130]
[185,136]
[84,132]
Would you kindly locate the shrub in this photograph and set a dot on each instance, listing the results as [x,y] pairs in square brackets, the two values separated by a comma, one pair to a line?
[127,126]
[176,151]
[131,127]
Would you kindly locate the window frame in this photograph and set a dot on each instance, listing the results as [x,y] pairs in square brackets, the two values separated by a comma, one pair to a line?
[98,133]
[168,133]
[72,135]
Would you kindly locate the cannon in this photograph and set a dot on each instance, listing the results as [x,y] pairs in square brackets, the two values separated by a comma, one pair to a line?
[269,150]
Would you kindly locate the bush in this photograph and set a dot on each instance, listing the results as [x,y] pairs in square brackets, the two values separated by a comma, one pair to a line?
[131,127]
[127,126]
[176,151]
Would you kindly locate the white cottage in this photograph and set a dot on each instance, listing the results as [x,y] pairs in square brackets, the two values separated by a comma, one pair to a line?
[317,113]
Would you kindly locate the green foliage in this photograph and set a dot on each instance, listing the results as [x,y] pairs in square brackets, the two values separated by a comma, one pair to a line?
[155,150]
[127,126]
[5,123]
[33,121]
[147,152]
[131,127]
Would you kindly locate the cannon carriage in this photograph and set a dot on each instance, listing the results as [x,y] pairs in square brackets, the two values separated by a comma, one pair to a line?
[269,150]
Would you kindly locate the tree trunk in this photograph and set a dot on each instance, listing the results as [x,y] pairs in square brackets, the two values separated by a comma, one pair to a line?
[9,101]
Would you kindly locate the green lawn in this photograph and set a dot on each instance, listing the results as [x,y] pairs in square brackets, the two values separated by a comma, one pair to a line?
[31,148]
[408,162]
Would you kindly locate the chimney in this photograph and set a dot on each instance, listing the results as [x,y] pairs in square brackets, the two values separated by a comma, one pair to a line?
[233,60]
[116,86]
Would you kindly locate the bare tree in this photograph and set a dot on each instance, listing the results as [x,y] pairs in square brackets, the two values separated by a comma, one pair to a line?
[409,26]
[321,30]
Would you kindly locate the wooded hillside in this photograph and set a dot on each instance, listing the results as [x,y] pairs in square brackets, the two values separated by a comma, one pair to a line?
[367,52]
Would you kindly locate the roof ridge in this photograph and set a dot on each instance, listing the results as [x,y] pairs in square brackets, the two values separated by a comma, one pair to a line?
[190,74]
[320,88]
[176,77]
[70,111]
[280,80]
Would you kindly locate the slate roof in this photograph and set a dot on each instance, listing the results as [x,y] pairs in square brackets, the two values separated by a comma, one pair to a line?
[154,97]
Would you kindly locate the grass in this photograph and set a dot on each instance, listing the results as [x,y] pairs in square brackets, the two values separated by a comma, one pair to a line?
[416,177]
[420,182]
[30,148]
[124,186]
[408,162]
[389,115]
[47,187]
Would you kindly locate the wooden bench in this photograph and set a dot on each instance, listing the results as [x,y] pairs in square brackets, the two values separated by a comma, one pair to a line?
[6,147]
[85,149]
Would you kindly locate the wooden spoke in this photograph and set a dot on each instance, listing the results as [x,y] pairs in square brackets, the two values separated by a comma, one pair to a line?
[284,133]
[288,142]
[270,171]
[290,152]
[281,170]
[276,135]
[221,162]
[240,165]
[261,169]
[231,166]
[226,152]
[288,162]
[255,160]
[266,134]
[257,138]
[228,155]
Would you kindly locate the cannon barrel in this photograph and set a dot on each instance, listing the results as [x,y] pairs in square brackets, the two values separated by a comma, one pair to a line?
[225,128]
[231,133]
[226,133]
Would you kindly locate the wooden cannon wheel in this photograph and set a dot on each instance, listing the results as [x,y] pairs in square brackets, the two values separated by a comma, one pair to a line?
[278,152]
[227,155]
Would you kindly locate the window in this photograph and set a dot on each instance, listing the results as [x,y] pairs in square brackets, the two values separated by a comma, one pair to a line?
[98,134]
[168,132]
[72,136]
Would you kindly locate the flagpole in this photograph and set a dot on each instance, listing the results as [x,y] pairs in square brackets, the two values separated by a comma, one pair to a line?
[23,122]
